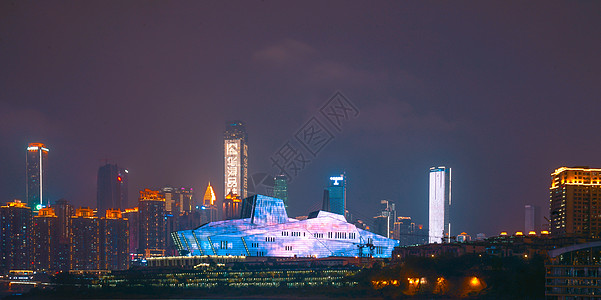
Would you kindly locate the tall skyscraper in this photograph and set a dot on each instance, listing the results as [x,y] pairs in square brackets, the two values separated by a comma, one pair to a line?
[37,167]
[337,194]
[575,198]
[85,240]
[152,223]
[15,236]
[280,189]
[236,159]
[531,218]
[112,188]
[440,202]
[46,248]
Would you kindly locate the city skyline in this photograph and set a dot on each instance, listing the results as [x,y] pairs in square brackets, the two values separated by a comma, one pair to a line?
[481,87]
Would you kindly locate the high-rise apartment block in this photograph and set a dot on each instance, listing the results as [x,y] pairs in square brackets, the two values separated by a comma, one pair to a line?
[337,194]
[15,236]
[236,159]
[114,241]
[85,240]
[575,199]
[111,188]
[152,223]
[280,188]
[37,167]
[439,204]
[46,238]
[132,215]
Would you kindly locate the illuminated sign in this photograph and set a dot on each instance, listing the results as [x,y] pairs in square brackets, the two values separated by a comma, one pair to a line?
[336,179]
[232,166]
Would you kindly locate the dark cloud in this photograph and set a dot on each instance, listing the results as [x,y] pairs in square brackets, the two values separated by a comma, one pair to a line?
[502,92]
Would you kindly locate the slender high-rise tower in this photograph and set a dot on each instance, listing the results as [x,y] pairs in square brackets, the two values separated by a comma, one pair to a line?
[37,166]
[440,202]
[236,159]
[280,189]
[111,188]
[337,194]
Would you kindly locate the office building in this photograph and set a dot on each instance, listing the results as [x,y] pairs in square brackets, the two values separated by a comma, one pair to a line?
[111,188]
[531,218]
[231,206]
[405,231]
[264,229]
[575,198]
[439,204]
[280,188]
[114,241]
[37,181]
[46,237]
[85,240]
[235,159]
[15,236]
[152,223]
[337,194]
[178,200]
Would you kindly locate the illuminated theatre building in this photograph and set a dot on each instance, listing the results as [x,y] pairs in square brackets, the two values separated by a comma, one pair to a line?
[266,230]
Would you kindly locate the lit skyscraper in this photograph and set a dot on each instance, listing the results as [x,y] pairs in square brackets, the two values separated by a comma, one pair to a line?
[209,207]
[574,202]
[236,159]
[337,194]
[15,237]
[280,189]
[440,202]
[152,223]
[112,188]
[37,166]
[85,242]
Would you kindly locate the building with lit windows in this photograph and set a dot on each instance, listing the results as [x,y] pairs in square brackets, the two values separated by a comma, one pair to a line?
[37,169]
[85,240]
[280,188]
[264,229]
[178,200]
[64,212]
[15,236]
[575,199]
[46,238]
[231,206]
[111,188]
[114,241]
[235,159]
[439,204]
[132,215]
[152,223]
[337,194]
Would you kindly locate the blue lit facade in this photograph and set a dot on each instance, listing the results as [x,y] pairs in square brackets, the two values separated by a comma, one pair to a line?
[266,230]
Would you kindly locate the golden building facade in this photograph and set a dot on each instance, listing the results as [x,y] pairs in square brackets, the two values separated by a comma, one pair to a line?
[575,201]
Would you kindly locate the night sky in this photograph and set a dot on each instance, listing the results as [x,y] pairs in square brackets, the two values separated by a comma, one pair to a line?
[502,92]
